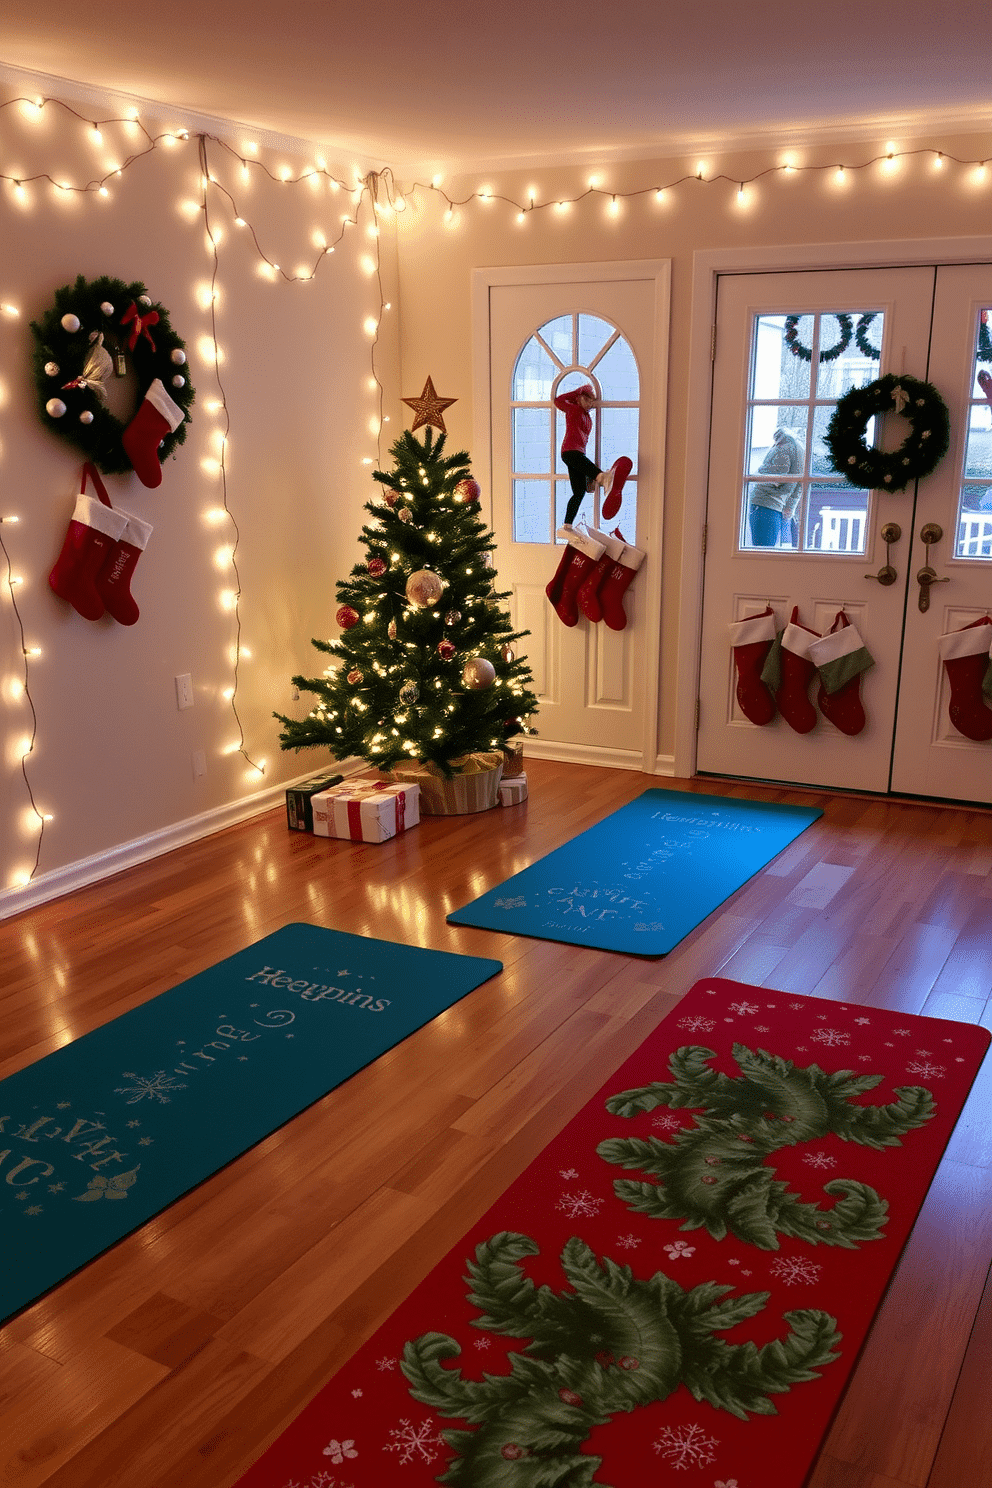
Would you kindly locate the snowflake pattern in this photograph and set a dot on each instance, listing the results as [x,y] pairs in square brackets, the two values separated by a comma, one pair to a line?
[667,1122]
[158,1087]
[743,1008]
[384,1363]
[680,1250]
[414,1443]
[686,1446]
[339,1450]
[926,1069]
[581,1205]
[795,1270]
[567,1173]
[833,1038]
[697,1024]
[820,1160]
[518,903]
[653,926]
[628,1242]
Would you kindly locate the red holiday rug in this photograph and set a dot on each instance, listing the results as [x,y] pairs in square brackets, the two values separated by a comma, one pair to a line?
[677,1289]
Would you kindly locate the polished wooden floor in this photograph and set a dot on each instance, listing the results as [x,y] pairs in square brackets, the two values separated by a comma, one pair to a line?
[176,1358]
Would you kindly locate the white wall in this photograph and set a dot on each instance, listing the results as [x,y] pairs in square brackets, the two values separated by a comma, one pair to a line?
[112,759]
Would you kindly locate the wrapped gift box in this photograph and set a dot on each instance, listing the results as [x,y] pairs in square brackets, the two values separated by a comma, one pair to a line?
[299,798]
[473,787]
[366,810]
[513,759]
[513,791]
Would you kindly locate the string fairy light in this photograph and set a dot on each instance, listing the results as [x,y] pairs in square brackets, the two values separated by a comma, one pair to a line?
[27,749]
[377,193]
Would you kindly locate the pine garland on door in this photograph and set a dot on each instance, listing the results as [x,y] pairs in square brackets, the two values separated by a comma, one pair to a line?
[920,452]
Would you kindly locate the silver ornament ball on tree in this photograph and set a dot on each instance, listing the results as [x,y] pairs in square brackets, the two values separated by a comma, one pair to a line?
[478,674]
[424,587]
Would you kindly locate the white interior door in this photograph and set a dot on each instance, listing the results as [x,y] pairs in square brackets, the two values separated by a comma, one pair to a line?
[788,346]
[597,685]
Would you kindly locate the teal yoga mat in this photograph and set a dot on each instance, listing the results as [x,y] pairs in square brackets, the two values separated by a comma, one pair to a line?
[640,880]
[106,1132]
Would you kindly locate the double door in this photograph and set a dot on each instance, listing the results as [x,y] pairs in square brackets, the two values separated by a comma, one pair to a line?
[785,529]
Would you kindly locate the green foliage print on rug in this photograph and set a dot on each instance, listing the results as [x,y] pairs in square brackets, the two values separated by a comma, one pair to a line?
[714,1175]
[610,1344]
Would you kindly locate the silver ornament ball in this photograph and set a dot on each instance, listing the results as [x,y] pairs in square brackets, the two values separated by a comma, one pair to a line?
[55,408]
[52,369]
[107,308]
[178,382]
[478,674]
[179,357]
[424,587]
[86,417]
[70,323]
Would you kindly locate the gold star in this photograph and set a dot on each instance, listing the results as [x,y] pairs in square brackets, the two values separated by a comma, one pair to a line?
[429,408]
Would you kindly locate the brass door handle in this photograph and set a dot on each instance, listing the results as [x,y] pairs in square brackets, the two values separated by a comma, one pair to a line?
[926,577]
[886,575]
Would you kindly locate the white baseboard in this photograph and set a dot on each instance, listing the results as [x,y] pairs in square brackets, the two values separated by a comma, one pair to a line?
[583,754]
[52,885]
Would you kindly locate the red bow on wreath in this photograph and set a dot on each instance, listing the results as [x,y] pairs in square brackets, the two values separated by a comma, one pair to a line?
[140,326]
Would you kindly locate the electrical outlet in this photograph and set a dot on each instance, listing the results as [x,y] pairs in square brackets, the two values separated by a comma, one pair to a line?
[184,691]
[199,763]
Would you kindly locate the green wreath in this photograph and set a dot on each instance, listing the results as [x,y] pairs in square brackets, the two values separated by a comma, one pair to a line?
[832,352]
[920,452]
[97,327]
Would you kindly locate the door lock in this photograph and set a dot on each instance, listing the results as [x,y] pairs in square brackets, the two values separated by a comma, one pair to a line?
[890,533]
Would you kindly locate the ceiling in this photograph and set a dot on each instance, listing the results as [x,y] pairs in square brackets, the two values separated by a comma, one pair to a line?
[452,84]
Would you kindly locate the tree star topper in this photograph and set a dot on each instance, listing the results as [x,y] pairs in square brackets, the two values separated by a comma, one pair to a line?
[429,408]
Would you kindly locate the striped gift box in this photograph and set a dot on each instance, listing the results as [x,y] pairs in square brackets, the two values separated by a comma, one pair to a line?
[366,810]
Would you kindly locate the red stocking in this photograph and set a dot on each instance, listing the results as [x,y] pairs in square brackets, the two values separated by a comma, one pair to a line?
[579,557]
[965,654]
[797,673]
[613,483]
[751,640]
[589,589]
[113,582]
[615,585]
[841,656]
[156,417]
[93,531]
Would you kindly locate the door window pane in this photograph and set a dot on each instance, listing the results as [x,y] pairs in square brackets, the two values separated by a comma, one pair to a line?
[593,336]
[531,444]
[802,503]
[617,370]
[534,373]
[531,511]
[974,536]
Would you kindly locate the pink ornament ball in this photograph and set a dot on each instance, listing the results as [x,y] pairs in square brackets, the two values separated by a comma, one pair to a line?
[468,489]
[445,650]
[377,566]
[346,617]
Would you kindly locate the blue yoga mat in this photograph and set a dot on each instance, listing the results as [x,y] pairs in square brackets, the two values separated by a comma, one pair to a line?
[643,878]
[106,1132]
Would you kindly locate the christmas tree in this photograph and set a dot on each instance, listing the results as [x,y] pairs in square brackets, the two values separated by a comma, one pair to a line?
[426,667]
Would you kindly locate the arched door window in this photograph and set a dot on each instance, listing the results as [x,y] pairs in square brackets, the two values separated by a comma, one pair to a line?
[563,354]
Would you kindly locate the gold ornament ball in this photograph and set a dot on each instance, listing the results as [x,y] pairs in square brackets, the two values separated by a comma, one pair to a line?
[478,674]
[424,587]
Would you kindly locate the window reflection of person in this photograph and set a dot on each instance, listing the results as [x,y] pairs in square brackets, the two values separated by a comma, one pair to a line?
[773,503]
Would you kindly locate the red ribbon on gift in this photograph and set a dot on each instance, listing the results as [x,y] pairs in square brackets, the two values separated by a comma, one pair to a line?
[355,810]
[140,326]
